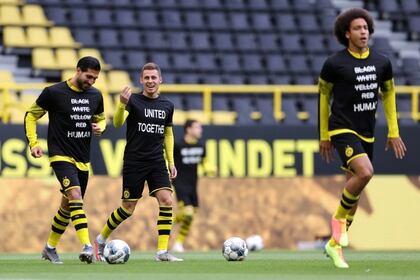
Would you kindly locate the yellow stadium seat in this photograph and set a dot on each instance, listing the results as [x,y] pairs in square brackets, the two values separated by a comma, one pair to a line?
[223,117]
[16,115]
[66,58]
[11,2]
[61,37]
[102,82]
[198,115]
[179,117]
[6,77]
[67,74]
[10,15]
[43,58]
[33,15]
[37,37]
[117,80]
[95,53]
[14,36]
[6,96]
[28,97]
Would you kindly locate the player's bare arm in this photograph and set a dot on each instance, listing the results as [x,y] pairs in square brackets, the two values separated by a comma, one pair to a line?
[125,95]
[326,149]
[397,145]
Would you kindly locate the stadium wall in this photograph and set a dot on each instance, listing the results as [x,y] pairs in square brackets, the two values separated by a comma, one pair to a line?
[284,211]
[271,182]
[237,151]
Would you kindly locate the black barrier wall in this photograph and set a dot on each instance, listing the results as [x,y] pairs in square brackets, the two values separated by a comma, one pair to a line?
[236,151]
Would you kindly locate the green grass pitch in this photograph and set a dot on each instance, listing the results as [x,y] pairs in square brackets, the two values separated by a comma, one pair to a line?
[265,265]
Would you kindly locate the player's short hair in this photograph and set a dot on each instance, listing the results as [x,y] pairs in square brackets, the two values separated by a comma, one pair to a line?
[188,123]
[343,21]
[89,62]
[150,66]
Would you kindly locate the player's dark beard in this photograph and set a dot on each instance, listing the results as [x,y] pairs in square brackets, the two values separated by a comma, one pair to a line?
[82,85]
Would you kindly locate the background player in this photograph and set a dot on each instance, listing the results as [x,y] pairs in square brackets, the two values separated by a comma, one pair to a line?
[351,79]
[75,110]
[188,153]
[149,132]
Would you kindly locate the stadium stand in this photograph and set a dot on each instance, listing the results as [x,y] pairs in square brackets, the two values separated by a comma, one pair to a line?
[205,42]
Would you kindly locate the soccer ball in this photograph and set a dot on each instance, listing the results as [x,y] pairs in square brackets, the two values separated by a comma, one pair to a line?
[234,249]
[254,243]
[117,252]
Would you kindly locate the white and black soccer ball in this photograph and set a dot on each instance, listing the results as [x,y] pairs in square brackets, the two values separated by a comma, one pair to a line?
[254,242]
[117,252]
[234,249]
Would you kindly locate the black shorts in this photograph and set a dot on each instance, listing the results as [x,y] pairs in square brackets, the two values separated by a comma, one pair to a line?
[69,176]
[187,194]
[349,146]
[135,175]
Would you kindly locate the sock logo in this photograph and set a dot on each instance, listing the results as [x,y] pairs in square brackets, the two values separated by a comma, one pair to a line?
[349,151]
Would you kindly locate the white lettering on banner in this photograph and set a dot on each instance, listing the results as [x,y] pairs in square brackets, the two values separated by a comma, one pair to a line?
[151,128]
[154,113]
[360,107]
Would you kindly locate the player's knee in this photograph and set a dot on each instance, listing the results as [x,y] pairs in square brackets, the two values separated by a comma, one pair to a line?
[74,194]
[165,200]
[365,174]
[130,206]
[164,197]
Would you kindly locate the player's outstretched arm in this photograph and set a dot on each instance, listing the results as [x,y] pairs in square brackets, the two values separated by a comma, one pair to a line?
[397,145]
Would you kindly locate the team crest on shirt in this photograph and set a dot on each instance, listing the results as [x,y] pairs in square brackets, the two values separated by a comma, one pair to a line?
[349,151]
[66,182]
[126,194]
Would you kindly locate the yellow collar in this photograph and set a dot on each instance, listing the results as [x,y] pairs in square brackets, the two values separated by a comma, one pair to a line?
[358,55]
[190,140]
[73,87]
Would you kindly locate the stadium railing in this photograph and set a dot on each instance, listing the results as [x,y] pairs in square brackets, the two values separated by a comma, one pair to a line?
[277,91]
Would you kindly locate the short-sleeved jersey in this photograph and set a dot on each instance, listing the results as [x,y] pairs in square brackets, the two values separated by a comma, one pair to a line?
[187,157]
[356,84]
[70,119]
[146,127]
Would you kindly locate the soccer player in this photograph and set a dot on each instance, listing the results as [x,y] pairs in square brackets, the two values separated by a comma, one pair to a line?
[188,154]
[76,111]
[149,133]
[349,86]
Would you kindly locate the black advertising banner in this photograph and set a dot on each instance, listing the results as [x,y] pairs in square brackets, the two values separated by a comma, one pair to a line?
[236,151]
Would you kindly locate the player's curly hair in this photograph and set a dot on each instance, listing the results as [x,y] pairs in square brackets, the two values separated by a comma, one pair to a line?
[343,21]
